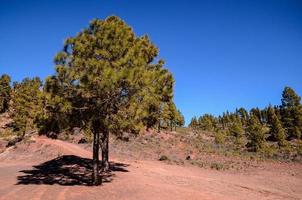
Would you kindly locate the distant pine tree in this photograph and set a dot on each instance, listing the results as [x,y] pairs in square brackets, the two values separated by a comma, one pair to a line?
[256,112]
[193,123]
[244,116]
[27,104]
[291,113]
[277,132]
[238,132]
[207,122]
[180,119]
[256,134]
[5,92]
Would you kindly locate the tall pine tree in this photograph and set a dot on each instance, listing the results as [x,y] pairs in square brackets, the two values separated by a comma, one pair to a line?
[277,132]
[108,75]
[291,113]
[256,134]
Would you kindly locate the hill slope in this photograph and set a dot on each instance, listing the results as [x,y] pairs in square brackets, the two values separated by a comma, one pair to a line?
[55,169]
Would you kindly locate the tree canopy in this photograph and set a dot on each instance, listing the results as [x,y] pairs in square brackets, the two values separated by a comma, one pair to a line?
[110,80]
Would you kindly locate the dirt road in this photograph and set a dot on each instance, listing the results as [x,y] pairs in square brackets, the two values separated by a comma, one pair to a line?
[66,177]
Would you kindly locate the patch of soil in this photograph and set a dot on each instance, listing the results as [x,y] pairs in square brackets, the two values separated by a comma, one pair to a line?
[3,144]
[43,168]
[5,121]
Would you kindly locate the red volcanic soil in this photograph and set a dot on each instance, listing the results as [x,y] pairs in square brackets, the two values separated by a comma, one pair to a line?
[55,169]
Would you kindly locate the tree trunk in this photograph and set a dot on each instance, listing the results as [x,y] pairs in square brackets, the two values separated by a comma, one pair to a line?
[96,180]
[105,150]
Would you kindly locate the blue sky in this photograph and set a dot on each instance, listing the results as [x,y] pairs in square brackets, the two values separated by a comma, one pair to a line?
[223,54]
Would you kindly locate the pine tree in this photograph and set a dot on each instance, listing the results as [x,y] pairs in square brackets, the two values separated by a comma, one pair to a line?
[166,116]
[194,123]
[225,120]
[207,122]
[277,110]
[5,92]
[256,134]
[27,104]
[290,98]
[174,116]
[276,130]
[180,119]
[57,113]
[244,116]
[238,132]
[270,112]
[257,113]
[291,113]
[109,75]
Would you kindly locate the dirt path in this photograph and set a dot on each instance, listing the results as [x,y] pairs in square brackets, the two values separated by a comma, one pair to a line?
[151,180]
[65,147]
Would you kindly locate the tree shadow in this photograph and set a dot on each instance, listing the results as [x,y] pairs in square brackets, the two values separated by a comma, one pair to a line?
[67,170]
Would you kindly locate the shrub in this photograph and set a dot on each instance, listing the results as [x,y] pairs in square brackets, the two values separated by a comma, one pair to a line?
[217,166]
[163,158]
[7,134]
[14,141]
[220,137]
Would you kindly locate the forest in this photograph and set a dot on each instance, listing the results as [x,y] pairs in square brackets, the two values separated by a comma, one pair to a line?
[274,128]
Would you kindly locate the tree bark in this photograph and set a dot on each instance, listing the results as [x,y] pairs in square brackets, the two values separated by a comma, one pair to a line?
[96,180]
[105,150]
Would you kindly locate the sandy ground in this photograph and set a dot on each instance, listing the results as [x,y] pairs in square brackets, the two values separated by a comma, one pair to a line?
[27,175]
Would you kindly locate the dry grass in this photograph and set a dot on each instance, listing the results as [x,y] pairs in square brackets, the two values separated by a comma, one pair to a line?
[187,147]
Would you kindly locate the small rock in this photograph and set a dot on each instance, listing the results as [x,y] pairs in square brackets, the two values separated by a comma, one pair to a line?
[76,131]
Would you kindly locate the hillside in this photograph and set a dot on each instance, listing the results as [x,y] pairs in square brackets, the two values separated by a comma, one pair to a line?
[42,168]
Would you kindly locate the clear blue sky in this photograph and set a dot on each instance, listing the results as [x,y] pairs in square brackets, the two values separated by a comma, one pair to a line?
[223,54]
